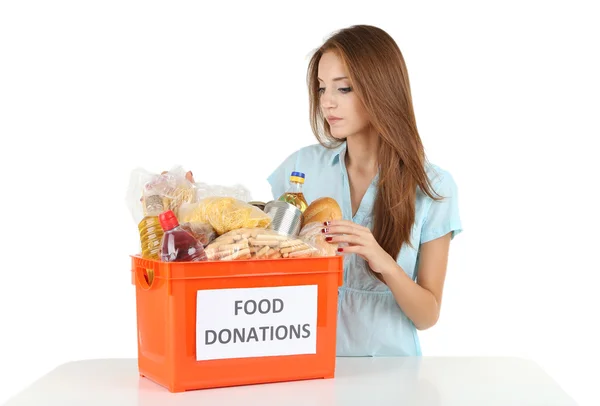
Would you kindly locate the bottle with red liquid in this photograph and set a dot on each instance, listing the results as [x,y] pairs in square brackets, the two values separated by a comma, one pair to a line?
[178,245]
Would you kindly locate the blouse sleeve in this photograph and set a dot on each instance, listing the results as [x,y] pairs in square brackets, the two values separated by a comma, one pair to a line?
[443,215]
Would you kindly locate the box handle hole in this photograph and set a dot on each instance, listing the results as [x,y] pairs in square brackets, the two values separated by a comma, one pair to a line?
[145,277]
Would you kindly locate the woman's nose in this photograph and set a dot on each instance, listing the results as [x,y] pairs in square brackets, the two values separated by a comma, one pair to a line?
[327,101]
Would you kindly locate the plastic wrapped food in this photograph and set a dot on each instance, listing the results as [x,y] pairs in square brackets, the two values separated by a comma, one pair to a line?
[239,192]
[225,214]
[175,188]
[312,235]
[203,232]
[257,243]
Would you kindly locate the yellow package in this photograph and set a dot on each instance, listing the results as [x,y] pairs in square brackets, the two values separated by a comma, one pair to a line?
[225,214]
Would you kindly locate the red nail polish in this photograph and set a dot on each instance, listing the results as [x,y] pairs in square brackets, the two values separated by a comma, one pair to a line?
[325,230]
[340,249]
[326,223]
[328,238]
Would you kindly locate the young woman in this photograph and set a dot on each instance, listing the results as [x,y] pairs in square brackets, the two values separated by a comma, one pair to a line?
[399,211]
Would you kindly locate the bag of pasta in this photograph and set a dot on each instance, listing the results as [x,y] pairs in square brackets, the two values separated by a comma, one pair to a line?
[225,214]
[175,187]
[257,243]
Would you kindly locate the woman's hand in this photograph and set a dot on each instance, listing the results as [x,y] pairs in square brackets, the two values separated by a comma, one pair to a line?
[360,241]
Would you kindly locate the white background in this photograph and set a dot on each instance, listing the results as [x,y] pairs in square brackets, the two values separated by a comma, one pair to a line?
[506,98]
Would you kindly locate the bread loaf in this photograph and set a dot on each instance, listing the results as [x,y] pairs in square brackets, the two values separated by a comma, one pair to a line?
[322,210]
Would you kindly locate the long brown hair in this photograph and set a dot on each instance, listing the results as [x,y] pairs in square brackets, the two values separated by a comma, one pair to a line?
[378,74]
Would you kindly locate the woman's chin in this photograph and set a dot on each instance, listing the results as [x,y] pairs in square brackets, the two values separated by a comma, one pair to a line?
[338,135]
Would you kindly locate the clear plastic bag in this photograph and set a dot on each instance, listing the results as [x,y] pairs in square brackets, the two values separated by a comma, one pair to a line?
[135,192]
[239,192]
[202,232]
[313,236]
[225,214]
[177,188]
[173,186]
[257,243]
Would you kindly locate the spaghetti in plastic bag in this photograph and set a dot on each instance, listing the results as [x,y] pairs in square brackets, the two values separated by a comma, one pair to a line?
[173,186]
[225,214]
[177,188]
[257,243]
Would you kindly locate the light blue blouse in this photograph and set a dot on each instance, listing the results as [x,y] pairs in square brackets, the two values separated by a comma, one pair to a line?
[370,322]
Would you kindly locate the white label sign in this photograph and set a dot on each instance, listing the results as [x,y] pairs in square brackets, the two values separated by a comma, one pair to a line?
[256,322]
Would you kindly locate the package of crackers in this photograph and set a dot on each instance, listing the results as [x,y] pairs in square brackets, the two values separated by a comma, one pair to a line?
[257,243]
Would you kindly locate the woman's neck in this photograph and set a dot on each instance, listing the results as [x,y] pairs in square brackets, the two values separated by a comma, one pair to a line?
[362,153]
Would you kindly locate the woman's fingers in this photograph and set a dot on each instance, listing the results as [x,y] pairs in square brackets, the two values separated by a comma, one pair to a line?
[353,249]
[346,229]
[340,230]
[347,223]
[347,238]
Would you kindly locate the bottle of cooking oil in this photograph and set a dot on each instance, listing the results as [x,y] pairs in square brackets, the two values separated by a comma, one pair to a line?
[150,229]
[294,194]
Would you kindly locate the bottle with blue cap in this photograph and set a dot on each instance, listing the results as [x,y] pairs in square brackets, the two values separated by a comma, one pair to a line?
[294,194]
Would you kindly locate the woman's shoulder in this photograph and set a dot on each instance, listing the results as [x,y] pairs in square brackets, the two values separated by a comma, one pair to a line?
[312,160]
[440,216]
[315,153]
[441,179]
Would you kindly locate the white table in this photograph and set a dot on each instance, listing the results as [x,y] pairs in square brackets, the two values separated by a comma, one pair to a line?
[429,381]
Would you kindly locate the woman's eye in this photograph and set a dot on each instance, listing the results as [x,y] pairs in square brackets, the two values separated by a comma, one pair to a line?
[342,89]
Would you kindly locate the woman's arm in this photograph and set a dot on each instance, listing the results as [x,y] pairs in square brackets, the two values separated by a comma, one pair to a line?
[421,301]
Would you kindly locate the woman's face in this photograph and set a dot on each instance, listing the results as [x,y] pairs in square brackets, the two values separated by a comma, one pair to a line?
[341,107]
